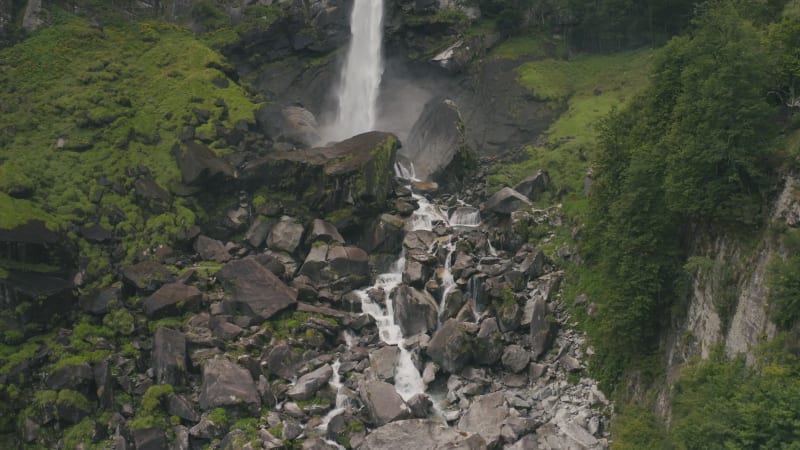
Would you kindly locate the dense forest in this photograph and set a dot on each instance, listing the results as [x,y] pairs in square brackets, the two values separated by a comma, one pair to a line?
[701,150]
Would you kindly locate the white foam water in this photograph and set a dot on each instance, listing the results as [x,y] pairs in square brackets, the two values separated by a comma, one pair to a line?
[407,379]
[465,217]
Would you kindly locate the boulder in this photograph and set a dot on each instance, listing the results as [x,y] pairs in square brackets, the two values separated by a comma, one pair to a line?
[73,376]
[385,235]
[102,302]
[383,361]
[172,299]
[253,290]
[505,201]
[414,311]
[291,123]
[338,268]
[227,384]
[146,276]
[211,249]
[323,231]
[435,138]
[515,358]
[182,407]
[420,405]
[451,346]
[285,235]
[169,356]
[488,343]
[533,186]
[383,402]
[415,274]
[310,383]
[147,189]
[199,164]
[283,361]
[419,245]
[149,439]
[356,173]
[421,434]
[542,329]
[257,232]
[485,416]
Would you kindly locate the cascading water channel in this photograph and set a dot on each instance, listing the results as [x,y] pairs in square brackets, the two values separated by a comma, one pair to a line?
[361,74]
[408,380]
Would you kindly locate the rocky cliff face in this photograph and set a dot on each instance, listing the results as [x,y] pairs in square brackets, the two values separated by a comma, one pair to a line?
[729,303]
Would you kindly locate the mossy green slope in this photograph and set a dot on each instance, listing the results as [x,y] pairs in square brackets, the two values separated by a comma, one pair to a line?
[587,88]
[79,104]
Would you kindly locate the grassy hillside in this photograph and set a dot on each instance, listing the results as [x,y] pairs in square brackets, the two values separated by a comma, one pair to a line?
[587,88]
[86,112]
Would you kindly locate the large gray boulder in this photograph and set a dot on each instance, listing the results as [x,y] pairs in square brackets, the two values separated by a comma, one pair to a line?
[542,329]
[169,356]
[336,267]
[505,201]
[323,231]
[211,249]
[418,245]
[354,174]
[451,347]
[515,358]
[485,416]
[146,275]
[226,384]
[383,402]
[534,185]
[421,434]
[283,361]
[414,311]
[253,290]
[435,138]
[291,123]
[383,362]
[310,383]
[286,235]
[171,299]
[488,343]
[199,164]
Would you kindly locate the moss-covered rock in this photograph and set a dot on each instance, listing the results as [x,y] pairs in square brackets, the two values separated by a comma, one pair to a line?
[357,172]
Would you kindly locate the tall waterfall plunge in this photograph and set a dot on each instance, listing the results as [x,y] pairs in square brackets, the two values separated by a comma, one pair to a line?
[361,74]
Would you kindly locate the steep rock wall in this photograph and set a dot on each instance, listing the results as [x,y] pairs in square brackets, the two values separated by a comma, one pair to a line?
[728,301]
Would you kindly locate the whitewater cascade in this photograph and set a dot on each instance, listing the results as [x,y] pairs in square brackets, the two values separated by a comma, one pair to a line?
[408,380]
[361,74]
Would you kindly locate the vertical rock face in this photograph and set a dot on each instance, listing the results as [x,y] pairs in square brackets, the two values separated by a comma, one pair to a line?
[734,270]
[32,18]
[435,138]
[6,20]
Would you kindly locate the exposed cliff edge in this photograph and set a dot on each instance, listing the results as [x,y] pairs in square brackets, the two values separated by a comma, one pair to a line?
[729,302]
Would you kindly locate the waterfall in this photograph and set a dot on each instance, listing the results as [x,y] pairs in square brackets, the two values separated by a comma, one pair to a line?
[361,74]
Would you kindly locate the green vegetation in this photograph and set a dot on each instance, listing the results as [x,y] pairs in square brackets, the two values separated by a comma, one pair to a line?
[81,104]
[784,283]
[695,148]
[722,403]
[153,408]
[588,88]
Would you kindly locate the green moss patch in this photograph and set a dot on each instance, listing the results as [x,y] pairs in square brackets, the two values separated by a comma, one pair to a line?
[87,115]
[587,88]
